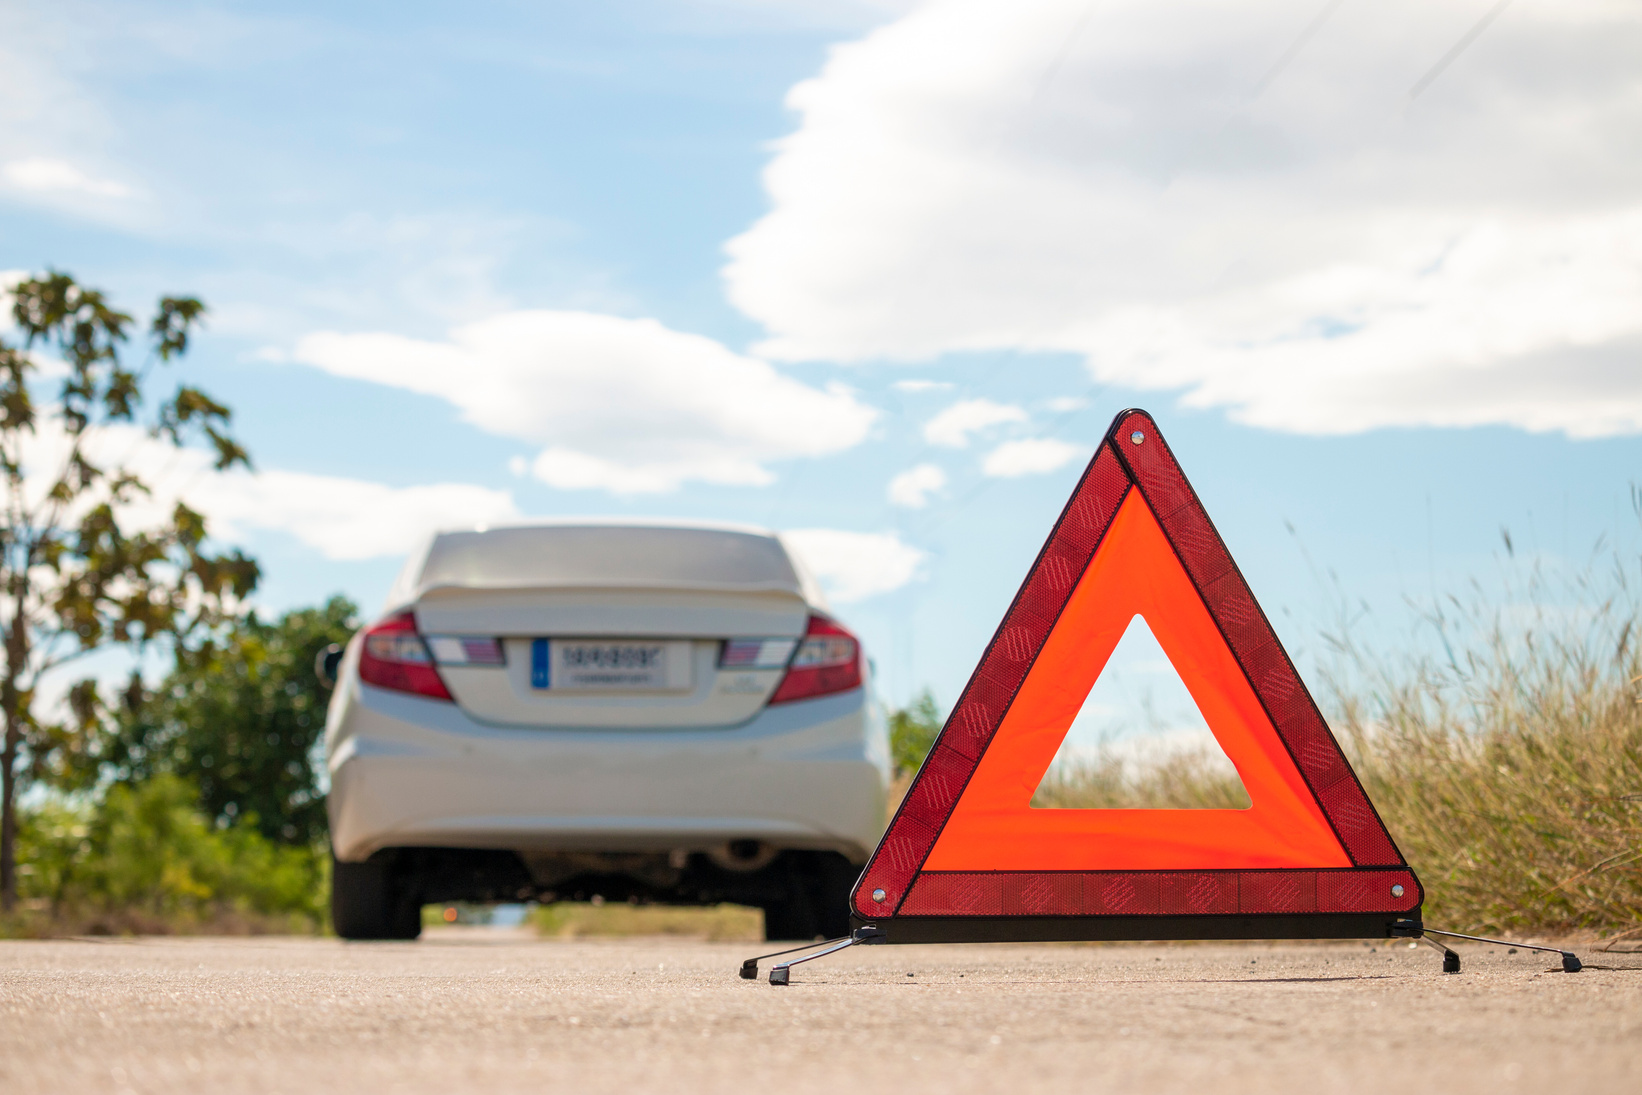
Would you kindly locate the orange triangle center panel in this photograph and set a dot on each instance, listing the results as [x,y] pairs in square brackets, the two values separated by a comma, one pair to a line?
[1309,856]
[992,827]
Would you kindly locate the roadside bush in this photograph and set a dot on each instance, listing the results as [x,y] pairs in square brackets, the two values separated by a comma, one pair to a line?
[145,859]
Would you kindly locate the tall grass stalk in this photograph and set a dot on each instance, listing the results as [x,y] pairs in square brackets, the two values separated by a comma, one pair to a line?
[1509,767]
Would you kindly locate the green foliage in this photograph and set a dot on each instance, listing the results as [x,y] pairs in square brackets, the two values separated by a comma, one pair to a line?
[912,731]
[240,718]
[73,577]
[58,313]
[52,838]
[146,859]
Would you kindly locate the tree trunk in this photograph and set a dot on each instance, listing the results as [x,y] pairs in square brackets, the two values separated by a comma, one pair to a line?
[8,817]
[11,700]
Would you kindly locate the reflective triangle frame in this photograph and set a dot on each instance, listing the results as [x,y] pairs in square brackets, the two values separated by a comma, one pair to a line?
[1374,895]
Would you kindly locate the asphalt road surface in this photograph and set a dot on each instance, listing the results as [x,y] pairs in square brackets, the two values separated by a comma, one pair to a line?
[491,1013]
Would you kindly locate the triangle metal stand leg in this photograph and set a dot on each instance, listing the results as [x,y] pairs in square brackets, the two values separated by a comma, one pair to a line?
[1450,960]
[1570,960]
[779,972]
[749,967]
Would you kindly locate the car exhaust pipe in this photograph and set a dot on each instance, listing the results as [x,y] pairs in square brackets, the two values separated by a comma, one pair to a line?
[742,856]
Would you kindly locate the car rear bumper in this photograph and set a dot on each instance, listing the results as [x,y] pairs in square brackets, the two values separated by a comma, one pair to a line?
[407,771]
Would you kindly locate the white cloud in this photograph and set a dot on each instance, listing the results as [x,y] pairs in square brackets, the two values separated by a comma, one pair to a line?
[845,15]
[852,566]
[624,405]
[1031,456]
[1066,404]
[913,487]
[921,386]
[344,518]
[340,518]
[58,146]
[1310,248]
[40,175]
[953,426]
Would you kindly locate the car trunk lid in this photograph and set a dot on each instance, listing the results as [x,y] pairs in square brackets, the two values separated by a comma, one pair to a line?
[618,627]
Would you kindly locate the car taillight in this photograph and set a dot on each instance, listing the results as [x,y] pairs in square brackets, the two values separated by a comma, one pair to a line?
[827,661]
[394,656]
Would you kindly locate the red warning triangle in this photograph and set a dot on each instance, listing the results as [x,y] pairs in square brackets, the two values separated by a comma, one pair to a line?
[967,857]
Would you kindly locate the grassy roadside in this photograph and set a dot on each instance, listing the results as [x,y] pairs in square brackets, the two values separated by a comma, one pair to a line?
[583,920]
[1511,771]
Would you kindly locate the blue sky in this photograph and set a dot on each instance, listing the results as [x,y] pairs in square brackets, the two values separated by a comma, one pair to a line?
[755,261]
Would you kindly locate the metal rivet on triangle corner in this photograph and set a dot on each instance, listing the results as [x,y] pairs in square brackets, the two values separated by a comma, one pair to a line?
[879,895]
[1397,890]
[1137,437]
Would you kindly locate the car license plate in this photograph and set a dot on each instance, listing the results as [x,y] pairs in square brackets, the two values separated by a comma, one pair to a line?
[605,665]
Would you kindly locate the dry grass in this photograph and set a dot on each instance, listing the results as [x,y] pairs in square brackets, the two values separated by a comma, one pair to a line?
[1510,770]
[1179,780]
[581,919]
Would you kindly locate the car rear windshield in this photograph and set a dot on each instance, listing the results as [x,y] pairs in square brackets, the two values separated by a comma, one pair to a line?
[608,556]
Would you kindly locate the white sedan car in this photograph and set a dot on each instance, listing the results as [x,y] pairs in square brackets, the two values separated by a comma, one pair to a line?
[644,712]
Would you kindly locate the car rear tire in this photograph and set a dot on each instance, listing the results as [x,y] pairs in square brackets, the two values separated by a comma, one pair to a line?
[789,920]
[370,901]
[816,903]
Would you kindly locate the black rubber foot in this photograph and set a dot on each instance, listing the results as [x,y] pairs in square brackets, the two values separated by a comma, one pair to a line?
[1570,962]
[749,970]
[1450,962]
[778,976]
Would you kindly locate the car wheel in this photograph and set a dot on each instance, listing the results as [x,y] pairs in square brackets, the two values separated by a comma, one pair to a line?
[789,920]
[833,916]
[832,901]
[816,902]
[369,901]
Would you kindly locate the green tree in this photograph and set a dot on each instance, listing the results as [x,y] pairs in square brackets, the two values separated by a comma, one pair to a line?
[912,732]
[240,718]
[75,576]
